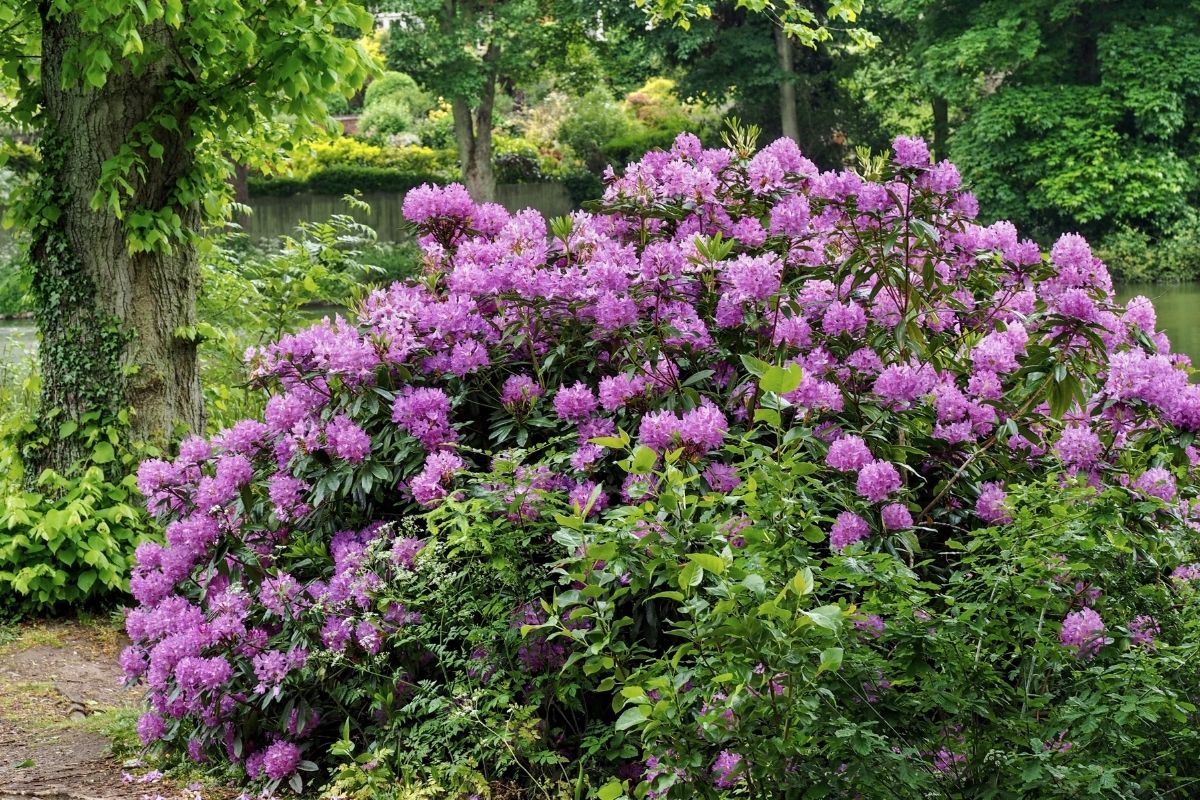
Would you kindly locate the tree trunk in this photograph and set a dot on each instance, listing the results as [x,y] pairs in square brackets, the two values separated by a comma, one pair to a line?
[941,127]
[788,120]
[108,318]
[474,136]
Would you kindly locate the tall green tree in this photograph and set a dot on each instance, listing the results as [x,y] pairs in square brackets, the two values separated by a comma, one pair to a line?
[142,107]
[739,57]
[467,50]
[1062,115]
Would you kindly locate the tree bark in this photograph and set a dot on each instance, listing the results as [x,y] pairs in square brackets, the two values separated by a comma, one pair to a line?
[473,132]
[941,127]
[788,120]
[109,319]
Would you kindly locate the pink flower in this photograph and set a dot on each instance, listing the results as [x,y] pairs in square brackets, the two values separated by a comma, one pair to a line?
[990,505]
[911,151]
[896,516]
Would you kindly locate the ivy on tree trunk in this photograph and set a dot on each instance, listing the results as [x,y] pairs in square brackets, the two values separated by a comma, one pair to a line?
[110,319]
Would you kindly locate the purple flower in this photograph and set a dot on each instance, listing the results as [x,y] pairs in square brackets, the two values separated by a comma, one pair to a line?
[896,516]
[617,390]
[280,760]
[703,428]
[433,482]
[728,770]
[848,529]
[877,480]
[991,504]
[1083,631]
[721,477]
[151,727]
[911,151]
[848,453]
[1143,630]
[427,203]
[1156,482]
[347,440]
[844,318]
[519,394]
[658,430]
[574,403]
[872,625]
[1079,447]
[424,413]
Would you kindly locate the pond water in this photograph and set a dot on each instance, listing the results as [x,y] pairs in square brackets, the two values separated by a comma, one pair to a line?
[1178,307]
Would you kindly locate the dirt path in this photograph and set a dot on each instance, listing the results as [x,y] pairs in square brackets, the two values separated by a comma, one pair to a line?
[61,698]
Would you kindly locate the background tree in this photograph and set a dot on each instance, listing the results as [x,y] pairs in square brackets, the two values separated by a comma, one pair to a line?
[141,108]
[733,57]
[465,51]
[1061,115]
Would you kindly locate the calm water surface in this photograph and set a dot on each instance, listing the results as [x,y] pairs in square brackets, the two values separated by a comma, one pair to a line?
[1178,307]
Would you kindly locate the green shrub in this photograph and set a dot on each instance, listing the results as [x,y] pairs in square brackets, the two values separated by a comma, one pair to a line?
[1137,257]
[633,145]
[909,513]
[67,538]
[398,87]
[14,281]
[595,118]
[387,120]
[344,180]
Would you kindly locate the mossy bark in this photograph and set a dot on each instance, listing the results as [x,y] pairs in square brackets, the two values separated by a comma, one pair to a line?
[108,318]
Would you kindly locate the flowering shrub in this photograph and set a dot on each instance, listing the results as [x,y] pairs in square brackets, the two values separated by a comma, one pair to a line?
[568,498]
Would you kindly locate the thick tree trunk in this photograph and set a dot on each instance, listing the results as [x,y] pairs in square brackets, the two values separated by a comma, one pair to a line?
[474,136]
[941,127]
[788,120]
[473,133]
[108,319]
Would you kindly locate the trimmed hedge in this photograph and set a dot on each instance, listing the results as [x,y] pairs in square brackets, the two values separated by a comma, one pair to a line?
[343,180]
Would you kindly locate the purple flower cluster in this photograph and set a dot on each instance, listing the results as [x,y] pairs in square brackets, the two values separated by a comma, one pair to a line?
[1083,631]
[627,328]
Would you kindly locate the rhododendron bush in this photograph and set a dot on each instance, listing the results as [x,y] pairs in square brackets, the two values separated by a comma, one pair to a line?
[647,487]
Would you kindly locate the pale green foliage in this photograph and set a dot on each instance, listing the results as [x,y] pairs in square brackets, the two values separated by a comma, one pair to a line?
[796,17]
[235,67]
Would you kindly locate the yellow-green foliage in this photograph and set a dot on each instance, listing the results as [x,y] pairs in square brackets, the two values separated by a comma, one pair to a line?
[348,151]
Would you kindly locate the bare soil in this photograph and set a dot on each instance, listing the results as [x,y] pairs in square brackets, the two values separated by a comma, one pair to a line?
[60,688]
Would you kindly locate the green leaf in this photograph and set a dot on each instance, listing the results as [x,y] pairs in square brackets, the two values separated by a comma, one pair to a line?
[831,659]
[644,460]
[802,582]
[691,575]
[635,715]
[714,564]
[781,380]
[85,580]
[611,790]
[827,617]
[103,453]
[755,366]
